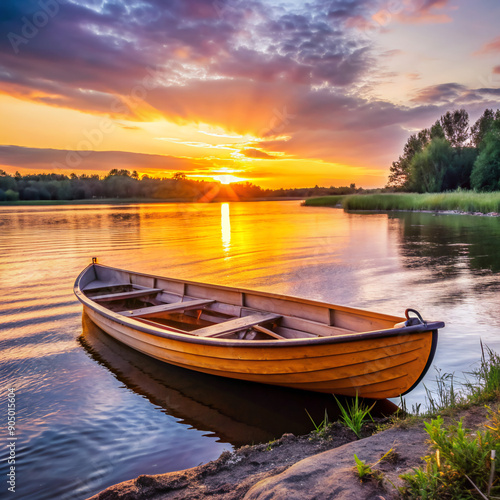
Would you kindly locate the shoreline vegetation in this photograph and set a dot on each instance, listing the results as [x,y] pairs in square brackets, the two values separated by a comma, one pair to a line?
[463,202]
[451,155]
[122,186]
[448,450]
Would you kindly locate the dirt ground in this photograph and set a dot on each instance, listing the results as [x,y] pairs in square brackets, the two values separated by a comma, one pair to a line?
[305,467]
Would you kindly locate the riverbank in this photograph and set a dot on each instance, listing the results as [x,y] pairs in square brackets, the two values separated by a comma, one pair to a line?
[299,467]
[465,202]
[433,456]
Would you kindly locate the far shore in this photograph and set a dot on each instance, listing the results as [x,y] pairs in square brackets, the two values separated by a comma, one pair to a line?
[134,201]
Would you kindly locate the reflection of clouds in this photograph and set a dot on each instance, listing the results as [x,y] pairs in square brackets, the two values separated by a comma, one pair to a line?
[225,227]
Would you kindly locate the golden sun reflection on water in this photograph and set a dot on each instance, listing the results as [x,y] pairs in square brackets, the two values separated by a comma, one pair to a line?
[225,227]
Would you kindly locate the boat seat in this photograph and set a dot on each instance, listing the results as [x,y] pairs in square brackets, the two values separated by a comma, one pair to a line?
[96,284]
[127,295]
[235,325]
[144,312]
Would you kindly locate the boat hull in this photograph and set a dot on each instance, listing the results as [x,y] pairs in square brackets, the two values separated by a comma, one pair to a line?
[375,368]
[341,350]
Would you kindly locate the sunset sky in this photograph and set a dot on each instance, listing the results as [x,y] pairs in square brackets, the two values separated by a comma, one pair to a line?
[283,94]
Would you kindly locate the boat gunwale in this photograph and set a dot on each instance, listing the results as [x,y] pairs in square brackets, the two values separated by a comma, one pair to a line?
[181,336]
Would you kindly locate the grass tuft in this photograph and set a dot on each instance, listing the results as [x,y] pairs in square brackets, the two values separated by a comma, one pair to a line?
[366,471]
[487,377]
[321,429]
[354,415]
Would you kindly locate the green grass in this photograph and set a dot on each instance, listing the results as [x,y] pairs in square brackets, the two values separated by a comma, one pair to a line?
[462,463]
[462,201]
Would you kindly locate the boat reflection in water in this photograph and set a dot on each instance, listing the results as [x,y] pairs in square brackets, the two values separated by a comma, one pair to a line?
[236,412]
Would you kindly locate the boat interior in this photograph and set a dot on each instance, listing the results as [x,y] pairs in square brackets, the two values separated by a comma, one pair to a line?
[182,312]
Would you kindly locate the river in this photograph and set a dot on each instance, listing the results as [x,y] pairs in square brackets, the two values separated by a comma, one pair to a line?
[90,412]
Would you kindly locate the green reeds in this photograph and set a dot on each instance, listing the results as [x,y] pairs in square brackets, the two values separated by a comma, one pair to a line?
[461,201]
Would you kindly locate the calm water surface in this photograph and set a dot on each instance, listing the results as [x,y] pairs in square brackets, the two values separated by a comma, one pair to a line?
[91,412]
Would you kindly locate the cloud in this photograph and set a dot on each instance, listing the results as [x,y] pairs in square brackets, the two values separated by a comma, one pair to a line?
[488,91]
[492,47]
[257,153]
[422,11]
[110,48]
[50,160]
[442,93]
[496,70]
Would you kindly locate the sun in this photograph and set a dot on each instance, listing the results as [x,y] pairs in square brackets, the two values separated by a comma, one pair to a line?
[227,178]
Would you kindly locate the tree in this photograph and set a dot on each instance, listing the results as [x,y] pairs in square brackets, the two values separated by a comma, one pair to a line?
[459,170]
[8,182]
[485,175]
[483,126]
[456,127]
[428,167]
[437,131]
[400,176]
[179,176]
[31,193]
[122,172]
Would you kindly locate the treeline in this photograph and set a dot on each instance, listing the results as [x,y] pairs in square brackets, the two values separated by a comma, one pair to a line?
[451,155]
[123,184]
[116,184]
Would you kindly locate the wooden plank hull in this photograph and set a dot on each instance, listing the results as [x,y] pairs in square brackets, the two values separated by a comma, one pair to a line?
[379,364]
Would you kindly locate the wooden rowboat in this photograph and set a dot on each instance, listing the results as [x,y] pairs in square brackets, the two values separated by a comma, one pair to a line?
[258,336]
